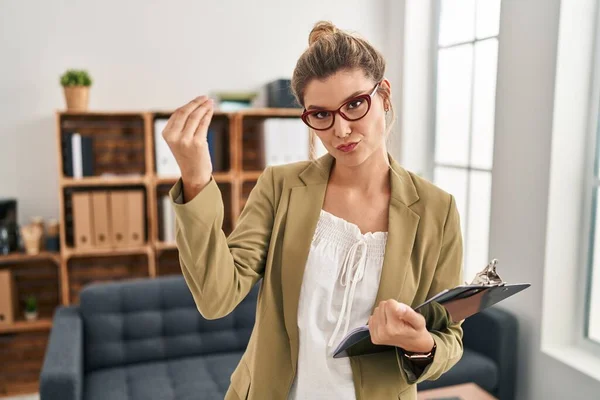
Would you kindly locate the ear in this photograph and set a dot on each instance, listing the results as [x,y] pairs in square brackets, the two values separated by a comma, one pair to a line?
[386,87]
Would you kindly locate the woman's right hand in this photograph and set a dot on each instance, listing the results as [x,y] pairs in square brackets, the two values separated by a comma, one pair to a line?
[185,134]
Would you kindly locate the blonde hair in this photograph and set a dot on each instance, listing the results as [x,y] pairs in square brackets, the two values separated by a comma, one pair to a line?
[331,50]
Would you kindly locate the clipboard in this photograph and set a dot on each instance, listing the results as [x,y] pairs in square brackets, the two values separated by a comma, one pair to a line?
[460,303]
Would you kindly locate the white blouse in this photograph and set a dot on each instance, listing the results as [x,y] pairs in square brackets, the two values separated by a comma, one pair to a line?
[338,291]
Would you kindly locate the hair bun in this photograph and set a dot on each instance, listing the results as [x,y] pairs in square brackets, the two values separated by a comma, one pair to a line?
[320,30]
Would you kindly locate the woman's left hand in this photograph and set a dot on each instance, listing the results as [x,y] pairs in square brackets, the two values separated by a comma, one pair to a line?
[396,324]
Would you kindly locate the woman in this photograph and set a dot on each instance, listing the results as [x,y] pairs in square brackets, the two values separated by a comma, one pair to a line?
[347,239]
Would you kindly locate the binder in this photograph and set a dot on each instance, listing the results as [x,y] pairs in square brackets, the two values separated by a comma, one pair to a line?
[135,216]
[101,219]
[77,154]
[83,228]
[460,302]
[168,220]
[118,218]
[8,298]
[166,165]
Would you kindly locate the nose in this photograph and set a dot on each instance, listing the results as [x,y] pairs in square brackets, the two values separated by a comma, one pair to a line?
[341,127]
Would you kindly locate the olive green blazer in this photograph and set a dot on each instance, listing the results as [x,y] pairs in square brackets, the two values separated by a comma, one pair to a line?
[271,240]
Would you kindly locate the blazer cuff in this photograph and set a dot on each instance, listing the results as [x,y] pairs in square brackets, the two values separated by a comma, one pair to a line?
[413,373]
[204,208]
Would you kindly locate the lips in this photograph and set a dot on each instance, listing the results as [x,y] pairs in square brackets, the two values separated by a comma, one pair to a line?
[346,148]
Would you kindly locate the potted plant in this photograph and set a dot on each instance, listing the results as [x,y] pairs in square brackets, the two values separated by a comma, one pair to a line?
[76,84]
[31,308]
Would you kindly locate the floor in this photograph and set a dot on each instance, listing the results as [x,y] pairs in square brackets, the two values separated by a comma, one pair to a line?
[27,397]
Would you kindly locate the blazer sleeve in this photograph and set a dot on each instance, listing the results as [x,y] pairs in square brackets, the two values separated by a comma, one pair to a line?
[446,334]
[219,270]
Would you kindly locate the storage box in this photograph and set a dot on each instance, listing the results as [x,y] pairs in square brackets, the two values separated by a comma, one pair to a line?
[279,94]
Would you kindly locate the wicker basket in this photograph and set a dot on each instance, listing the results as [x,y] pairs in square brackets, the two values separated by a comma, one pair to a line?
[77,97]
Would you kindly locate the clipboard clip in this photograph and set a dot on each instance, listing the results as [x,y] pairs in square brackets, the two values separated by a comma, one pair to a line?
[488,276]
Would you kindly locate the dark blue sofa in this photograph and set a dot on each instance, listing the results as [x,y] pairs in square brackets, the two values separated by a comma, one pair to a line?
[145,339]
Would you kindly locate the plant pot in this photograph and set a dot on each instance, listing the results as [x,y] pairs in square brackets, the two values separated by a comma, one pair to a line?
[77,97]
[31,315]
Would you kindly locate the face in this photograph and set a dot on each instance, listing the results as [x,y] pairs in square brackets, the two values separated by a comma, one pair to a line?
[351,141]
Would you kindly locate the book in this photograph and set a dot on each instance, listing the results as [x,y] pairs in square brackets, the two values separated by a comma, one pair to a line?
[460,302]
[78,155]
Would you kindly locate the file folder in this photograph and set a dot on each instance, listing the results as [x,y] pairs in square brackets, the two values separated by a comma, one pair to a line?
[460,303]
[8,298]
[83,229]
[135,217]
[118,218]
[101,218]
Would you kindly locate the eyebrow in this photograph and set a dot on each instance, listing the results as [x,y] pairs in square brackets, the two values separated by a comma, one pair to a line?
[358,92]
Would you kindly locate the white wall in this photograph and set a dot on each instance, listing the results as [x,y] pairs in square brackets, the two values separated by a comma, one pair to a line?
[417,101]
[141,55]
[522,147]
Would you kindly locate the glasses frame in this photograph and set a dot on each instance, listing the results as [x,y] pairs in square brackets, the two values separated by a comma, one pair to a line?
[367,96]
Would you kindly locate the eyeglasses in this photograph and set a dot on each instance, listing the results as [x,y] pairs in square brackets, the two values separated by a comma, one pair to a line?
[352,110]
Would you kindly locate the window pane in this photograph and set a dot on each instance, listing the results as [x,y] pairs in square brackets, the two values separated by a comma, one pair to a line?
[488,18]
[457,21]
[594,301]
[454,181]
[453,105]
[477,240]
[484,95]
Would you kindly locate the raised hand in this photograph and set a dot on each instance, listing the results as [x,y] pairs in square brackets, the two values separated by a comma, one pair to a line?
[185,134]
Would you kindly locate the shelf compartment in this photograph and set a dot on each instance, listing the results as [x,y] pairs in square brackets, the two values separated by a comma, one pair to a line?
[94,145]
[39,278]
[86,270]
[26,351]
[119,226]
[268,139]
[219,140]
[167,262]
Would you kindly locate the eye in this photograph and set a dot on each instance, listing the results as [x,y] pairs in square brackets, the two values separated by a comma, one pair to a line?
[321,114]
[355,103]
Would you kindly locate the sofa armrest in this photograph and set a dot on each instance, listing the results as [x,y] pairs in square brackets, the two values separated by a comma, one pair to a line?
[61,377]
[494,334]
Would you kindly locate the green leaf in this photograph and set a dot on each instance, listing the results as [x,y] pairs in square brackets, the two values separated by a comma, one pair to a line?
[30,304]
[75,77]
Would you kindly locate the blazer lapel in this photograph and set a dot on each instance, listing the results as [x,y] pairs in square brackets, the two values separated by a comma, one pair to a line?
[403,222]
[303,212]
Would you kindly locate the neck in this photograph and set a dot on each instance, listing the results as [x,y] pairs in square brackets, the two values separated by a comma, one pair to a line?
[371,175]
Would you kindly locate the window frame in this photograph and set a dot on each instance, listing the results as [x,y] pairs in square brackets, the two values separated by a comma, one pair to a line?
[469,168]
[591,201]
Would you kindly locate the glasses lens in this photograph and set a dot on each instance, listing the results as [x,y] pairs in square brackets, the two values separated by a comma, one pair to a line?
[355,108]
[319,119]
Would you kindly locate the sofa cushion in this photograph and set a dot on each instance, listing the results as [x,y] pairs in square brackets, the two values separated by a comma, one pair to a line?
[197,378]
[472,367]
[151,320]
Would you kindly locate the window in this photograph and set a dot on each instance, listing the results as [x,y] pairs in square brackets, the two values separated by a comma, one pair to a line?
[569,329]
[592,320]
[467,53]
